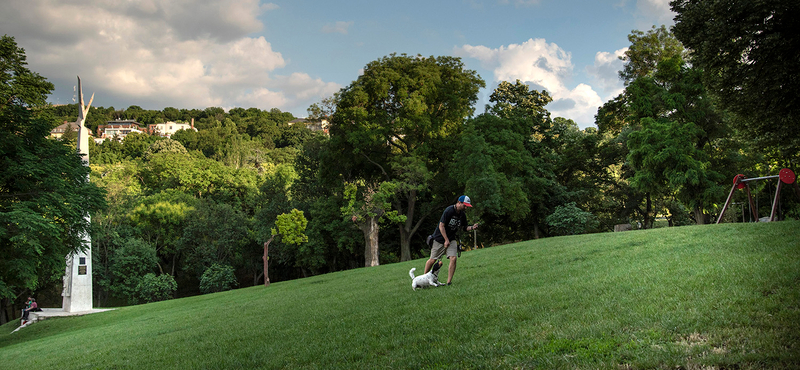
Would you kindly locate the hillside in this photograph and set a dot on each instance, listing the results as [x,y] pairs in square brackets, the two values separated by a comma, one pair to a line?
[713,296]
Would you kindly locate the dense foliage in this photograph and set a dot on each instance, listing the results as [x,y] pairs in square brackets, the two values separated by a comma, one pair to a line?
[747,51]
[45,193]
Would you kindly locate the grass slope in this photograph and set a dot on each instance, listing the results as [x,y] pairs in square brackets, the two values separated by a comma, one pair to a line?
[714,296]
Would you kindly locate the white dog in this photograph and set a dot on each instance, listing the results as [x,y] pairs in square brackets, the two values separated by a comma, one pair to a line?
[429,279]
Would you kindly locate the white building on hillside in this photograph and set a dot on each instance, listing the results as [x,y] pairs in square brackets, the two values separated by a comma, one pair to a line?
[117,129]
[168,128]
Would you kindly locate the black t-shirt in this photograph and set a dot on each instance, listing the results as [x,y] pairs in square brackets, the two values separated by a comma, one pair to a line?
[453,222]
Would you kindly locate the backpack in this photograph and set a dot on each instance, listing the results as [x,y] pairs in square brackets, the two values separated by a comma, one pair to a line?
[429,240]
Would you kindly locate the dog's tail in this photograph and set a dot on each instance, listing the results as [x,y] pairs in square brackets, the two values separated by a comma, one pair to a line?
[411,272]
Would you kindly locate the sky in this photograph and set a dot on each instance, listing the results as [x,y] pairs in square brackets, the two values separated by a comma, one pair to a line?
[291,54]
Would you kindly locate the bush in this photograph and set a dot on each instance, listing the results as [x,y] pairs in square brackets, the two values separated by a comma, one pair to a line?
[679,215]
[154,288]
[164,146]
[570,220]
[218,278]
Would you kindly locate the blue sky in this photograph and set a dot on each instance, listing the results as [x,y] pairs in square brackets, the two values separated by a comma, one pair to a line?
[290,54]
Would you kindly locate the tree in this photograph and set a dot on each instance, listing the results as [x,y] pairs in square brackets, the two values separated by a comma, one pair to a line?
[128,265]
[747,50]
[134,145]
[403,109]
[199,177]
[325,109]
[45,194]
[213,233]
[333,243]
[171,114]
[584,171]
[367,206]
[504,159]
[160,218]
[646,50]
[290,227]
[673,152]
[667,122]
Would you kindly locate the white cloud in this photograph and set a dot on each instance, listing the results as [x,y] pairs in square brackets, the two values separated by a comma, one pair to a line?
[650,12]
[302,86]
[605,72]
[262,98]
[658,10]
[543,66]
[338,27]
[178,53]
[579,104]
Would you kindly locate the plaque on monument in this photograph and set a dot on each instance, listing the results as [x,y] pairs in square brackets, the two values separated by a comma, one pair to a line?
[82,270]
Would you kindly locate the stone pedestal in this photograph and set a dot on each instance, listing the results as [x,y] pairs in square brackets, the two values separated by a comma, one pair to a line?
[78,282]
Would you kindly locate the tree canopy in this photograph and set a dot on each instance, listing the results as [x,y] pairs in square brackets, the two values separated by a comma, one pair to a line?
[45,192]
[397,122]
[748,52]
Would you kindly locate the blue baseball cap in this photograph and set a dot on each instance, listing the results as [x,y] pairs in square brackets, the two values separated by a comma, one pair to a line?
[465,199]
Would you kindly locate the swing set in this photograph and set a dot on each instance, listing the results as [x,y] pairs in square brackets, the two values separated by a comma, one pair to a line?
[741,182]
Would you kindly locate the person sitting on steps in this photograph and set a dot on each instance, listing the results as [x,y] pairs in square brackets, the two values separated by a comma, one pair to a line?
[31,306]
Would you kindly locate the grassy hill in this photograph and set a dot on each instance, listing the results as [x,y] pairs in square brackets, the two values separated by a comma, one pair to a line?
[714,296]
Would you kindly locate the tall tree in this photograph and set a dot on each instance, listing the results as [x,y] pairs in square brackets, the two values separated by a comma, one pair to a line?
[620,117]
[161,218]
[333,244]
[45,194]
[214,233]
[673,152]
[403,109]
[505,160]
[748,50]
[366,206]
[646,50]
[290,227]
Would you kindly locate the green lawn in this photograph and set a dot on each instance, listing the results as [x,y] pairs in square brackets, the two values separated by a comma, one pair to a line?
[714,296]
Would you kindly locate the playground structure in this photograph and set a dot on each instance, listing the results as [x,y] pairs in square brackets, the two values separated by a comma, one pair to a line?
[741,182]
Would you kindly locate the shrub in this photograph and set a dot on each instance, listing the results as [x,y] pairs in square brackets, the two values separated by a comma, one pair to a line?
[218,278]
[164,146]
[154,288]
[679,215]
[568,219]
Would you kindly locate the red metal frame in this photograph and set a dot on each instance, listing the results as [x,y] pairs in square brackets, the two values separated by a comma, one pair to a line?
[740,182]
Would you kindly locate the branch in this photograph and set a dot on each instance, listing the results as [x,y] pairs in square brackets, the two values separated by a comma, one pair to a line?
[20,195]
[388,178]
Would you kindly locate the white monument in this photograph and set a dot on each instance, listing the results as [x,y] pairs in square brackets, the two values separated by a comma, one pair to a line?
[78,276]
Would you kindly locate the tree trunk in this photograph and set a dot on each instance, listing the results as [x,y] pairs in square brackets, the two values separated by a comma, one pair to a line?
[257,277]
[265,257]
[371,250]
[699,217]
[648,208]
[407,229]
[4,311]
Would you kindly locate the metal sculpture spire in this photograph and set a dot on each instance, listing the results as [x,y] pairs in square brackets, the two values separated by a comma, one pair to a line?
[77,294]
